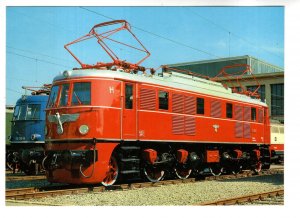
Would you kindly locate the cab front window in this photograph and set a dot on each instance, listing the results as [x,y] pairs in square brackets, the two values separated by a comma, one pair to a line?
[81,94]
[33,112]
[53,96]
[20,112]
[27,112]
[64,95]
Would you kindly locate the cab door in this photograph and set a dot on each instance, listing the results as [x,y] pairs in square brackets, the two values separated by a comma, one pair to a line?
[129,111]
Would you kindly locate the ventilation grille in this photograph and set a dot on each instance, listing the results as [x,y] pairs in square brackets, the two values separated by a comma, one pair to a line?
[260,115]
[215,109]
[177,125]
[238,130]
[177,103]
[190,126]
[247,113]
[190,105]
[247,130]
[238,111]
[147,100]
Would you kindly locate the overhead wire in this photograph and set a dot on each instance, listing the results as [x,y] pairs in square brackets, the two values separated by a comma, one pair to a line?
[38,53]
[12,90]
[232,33]
[180,43]
[157,35]
[41,60]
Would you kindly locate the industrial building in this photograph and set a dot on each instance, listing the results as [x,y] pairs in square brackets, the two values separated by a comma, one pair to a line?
[269,76]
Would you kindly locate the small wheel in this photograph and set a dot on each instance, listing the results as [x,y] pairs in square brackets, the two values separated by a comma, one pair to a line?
[182,172]
[10,162]
[236,169]
[112,172]
[258,167]
[216,170]
[153,174]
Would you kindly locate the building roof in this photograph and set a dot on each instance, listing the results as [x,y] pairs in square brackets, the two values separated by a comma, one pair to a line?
[213,66]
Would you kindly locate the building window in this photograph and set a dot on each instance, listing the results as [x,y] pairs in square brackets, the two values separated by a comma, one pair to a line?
[261,91]
[128,96]
[163,100]
[200,106]
[237,89]
[253,114]
[277,99]
[228,110]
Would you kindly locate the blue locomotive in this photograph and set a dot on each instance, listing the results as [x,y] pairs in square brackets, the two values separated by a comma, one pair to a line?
[27,140]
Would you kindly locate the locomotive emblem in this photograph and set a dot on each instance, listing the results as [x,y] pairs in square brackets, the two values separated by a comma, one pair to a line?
[61,119]
[216,127]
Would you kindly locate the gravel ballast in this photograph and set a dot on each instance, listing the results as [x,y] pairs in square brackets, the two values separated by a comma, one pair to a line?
[181,194]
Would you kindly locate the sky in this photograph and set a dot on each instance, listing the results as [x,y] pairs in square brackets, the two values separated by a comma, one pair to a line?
[35,37]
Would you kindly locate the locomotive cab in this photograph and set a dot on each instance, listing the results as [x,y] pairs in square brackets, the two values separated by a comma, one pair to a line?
[82,116]
[27,133]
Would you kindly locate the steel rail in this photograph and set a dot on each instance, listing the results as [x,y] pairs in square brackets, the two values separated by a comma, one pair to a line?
[24,178]
[27,193]
[247,198]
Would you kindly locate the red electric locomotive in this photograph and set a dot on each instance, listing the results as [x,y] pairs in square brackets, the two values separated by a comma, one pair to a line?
[109,121]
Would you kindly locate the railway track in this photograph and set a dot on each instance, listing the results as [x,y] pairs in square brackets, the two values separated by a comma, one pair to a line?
[266,197]
[28,193]
[24,178]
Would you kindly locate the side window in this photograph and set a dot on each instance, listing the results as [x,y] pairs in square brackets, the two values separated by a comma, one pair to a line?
[163,100]
[253,114]
[281,130]
[53,96]
[81,93]
[64,95]
[128,96]
[16,112]
[274,129]
[22,112]
[228,110]
[200,106]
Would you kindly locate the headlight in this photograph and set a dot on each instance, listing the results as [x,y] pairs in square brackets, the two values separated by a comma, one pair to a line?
[83,129]
[66,73]
[35,137]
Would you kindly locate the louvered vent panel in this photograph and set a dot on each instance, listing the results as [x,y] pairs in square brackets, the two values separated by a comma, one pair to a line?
[247,113]
[215,109]
[238,111]
[247,130]
[238,130]
[190,105]
[177,103]
[147,99]
[190,125]
[177,124]
[260,115]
